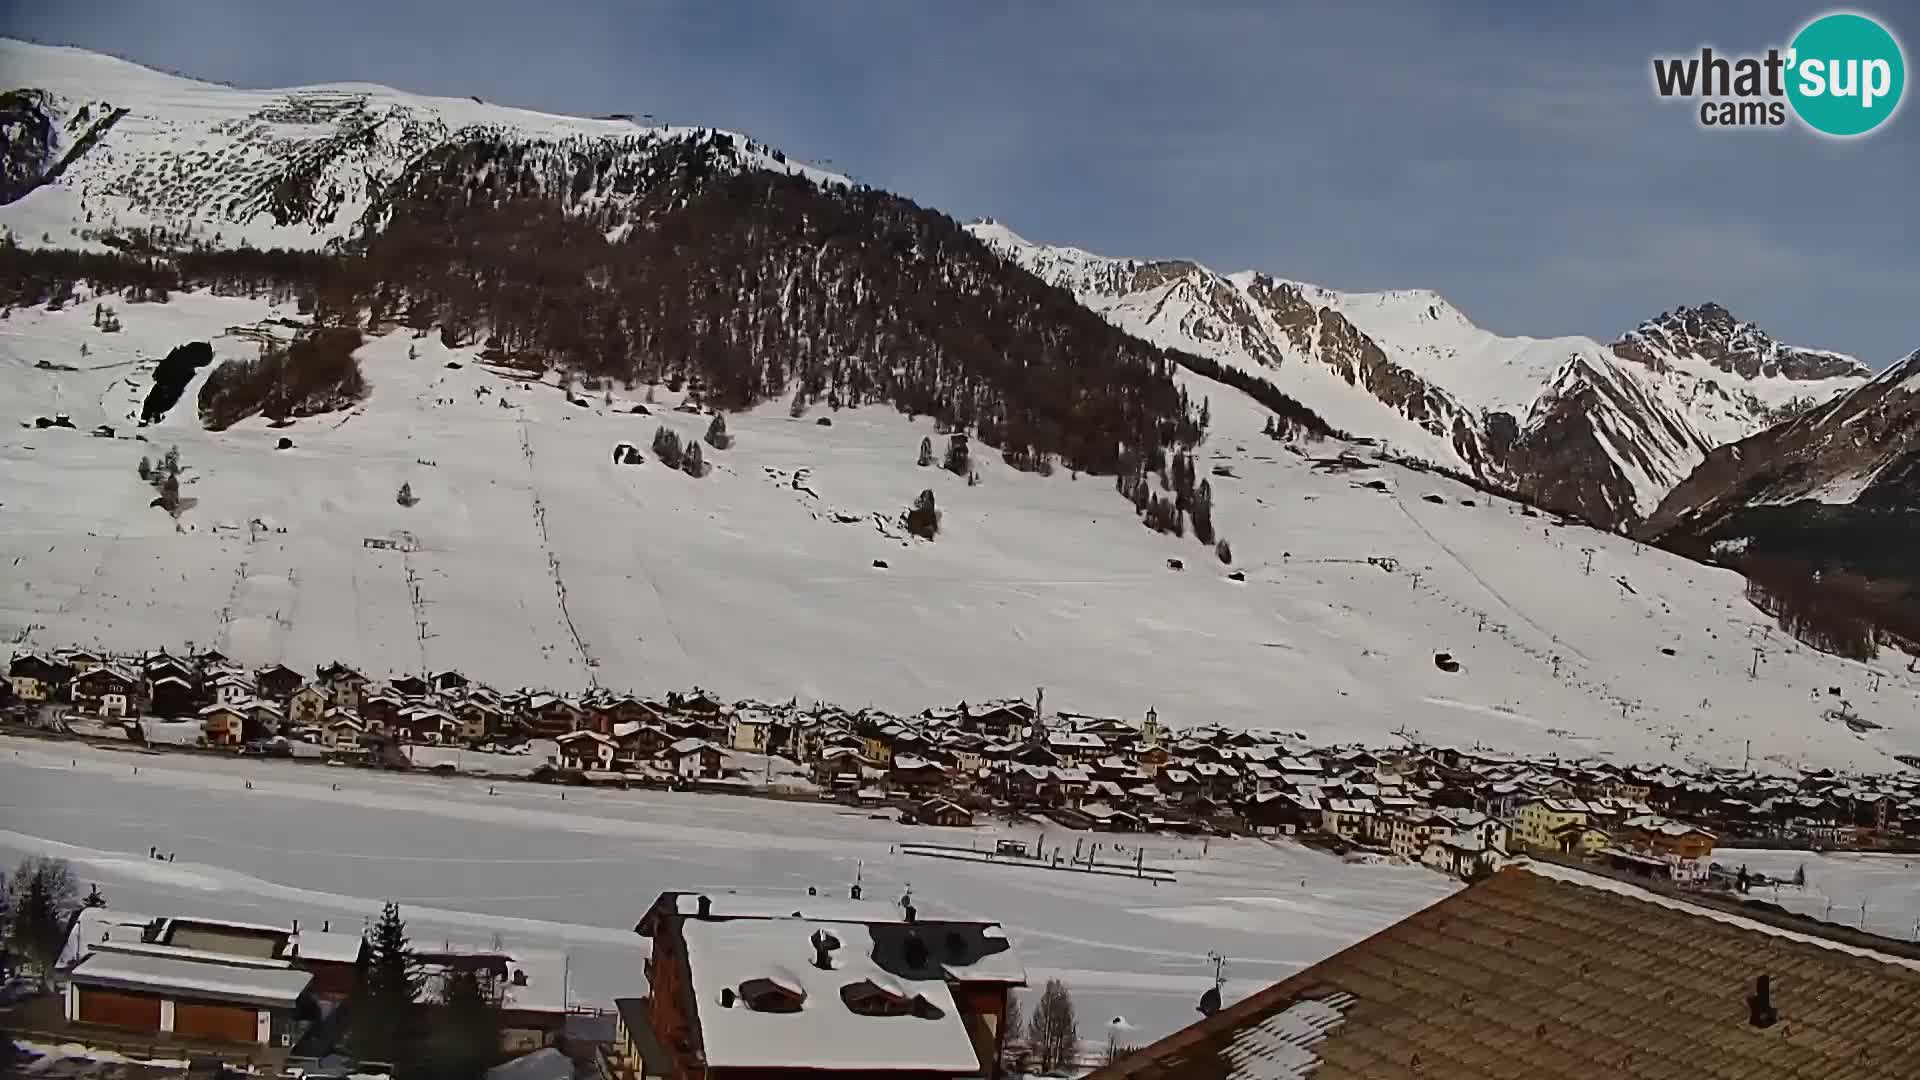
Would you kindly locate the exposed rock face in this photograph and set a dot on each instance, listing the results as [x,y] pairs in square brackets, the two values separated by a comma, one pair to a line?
[26,142]
[1711,333]
[1596,431]
[1838,485]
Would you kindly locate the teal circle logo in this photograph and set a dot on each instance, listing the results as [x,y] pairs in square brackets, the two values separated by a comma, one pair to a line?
[1846,74]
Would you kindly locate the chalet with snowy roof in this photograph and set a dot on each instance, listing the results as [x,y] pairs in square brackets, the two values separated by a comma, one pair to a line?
[343,685]
[106,691]
[1554,973]
[448,682]
[586,749]
[1660,837]
[1000,719]
[171,695]
[942,811]
[752,731]
[410,686]
[693,759]
[223,724]
[550,716]
[307,705]
[161,664]
[36,678]
[231,688]
[773,985]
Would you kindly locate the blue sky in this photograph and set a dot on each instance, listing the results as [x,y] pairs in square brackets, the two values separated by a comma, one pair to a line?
[1511,156]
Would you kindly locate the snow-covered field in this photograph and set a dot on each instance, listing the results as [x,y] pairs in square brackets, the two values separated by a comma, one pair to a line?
[1868,890]
[541,562]
[465,866]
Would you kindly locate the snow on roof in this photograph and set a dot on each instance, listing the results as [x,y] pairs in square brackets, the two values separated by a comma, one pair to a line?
[97,925]
[327,947]
[274,987]
[164,733]
[543,1064]
[1281,1047]
[824,1033]
[778,905]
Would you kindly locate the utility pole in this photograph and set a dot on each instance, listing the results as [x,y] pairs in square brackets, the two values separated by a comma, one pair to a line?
[1746,755]
[1589,554]
[1759,654]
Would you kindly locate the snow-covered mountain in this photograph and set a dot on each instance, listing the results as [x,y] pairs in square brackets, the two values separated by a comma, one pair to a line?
[98,147]
[1601,431]
[1838,485]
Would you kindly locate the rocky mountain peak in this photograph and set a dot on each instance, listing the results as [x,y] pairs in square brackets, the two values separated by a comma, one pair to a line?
[1713,334]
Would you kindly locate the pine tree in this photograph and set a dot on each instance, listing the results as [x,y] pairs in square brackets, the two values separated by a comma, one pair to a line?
[44,897]
[1224,550]
[146,469]
[692,463]
[170,493]
[717,436]
[959,461]
[922,519]
[1201,511]
[466,1029]
[170,464]
[386,997]
[405,496]
[797,408]
[926,452]
[666,447]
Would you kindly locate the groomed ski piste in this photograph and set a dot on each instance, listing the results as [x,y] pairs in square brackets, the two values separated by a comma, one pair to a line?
[572,878]
[539,561]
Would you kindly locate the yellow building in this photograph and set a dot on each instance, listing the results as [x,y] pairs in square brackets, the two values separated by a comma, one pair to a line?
[1539,819]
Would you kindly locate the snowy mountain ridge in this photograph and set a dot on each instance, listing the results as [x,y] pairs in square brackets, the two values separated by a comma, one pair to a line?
[293,168]
[1603,431]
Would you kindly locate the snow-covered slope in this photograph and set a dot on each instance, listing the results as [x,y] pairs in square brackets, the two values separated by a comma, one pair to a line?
[540,561]
[1597,430]
[294,168]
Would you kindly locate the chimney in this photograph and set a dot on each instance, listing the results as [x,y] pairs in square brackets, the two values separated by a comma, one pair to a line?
[706,907]
[908,908]
[324,924]
[822,951]
[296,926]
[1760,1010]
[726,997]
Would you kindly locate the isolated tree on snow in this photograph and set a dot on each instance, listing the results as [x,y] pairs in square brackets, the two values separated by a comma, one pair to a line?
[797,408]
[1800,875]
[717,436]
[958,462]
[386,995]
[1224,550]
[42,897]
[146,469]
[922,519]
[666,447]
[693,464]
[170,464]
[170,493]
[926,452]
[1053,1034]
[405,496]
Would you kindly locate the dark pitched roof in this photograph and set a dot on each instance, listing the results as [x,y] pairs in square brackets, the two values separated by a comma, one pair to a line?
[1551,973]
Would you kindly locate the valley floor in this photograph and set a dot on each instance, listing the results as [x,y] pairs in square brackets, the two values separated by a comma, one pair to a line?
[466,866]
